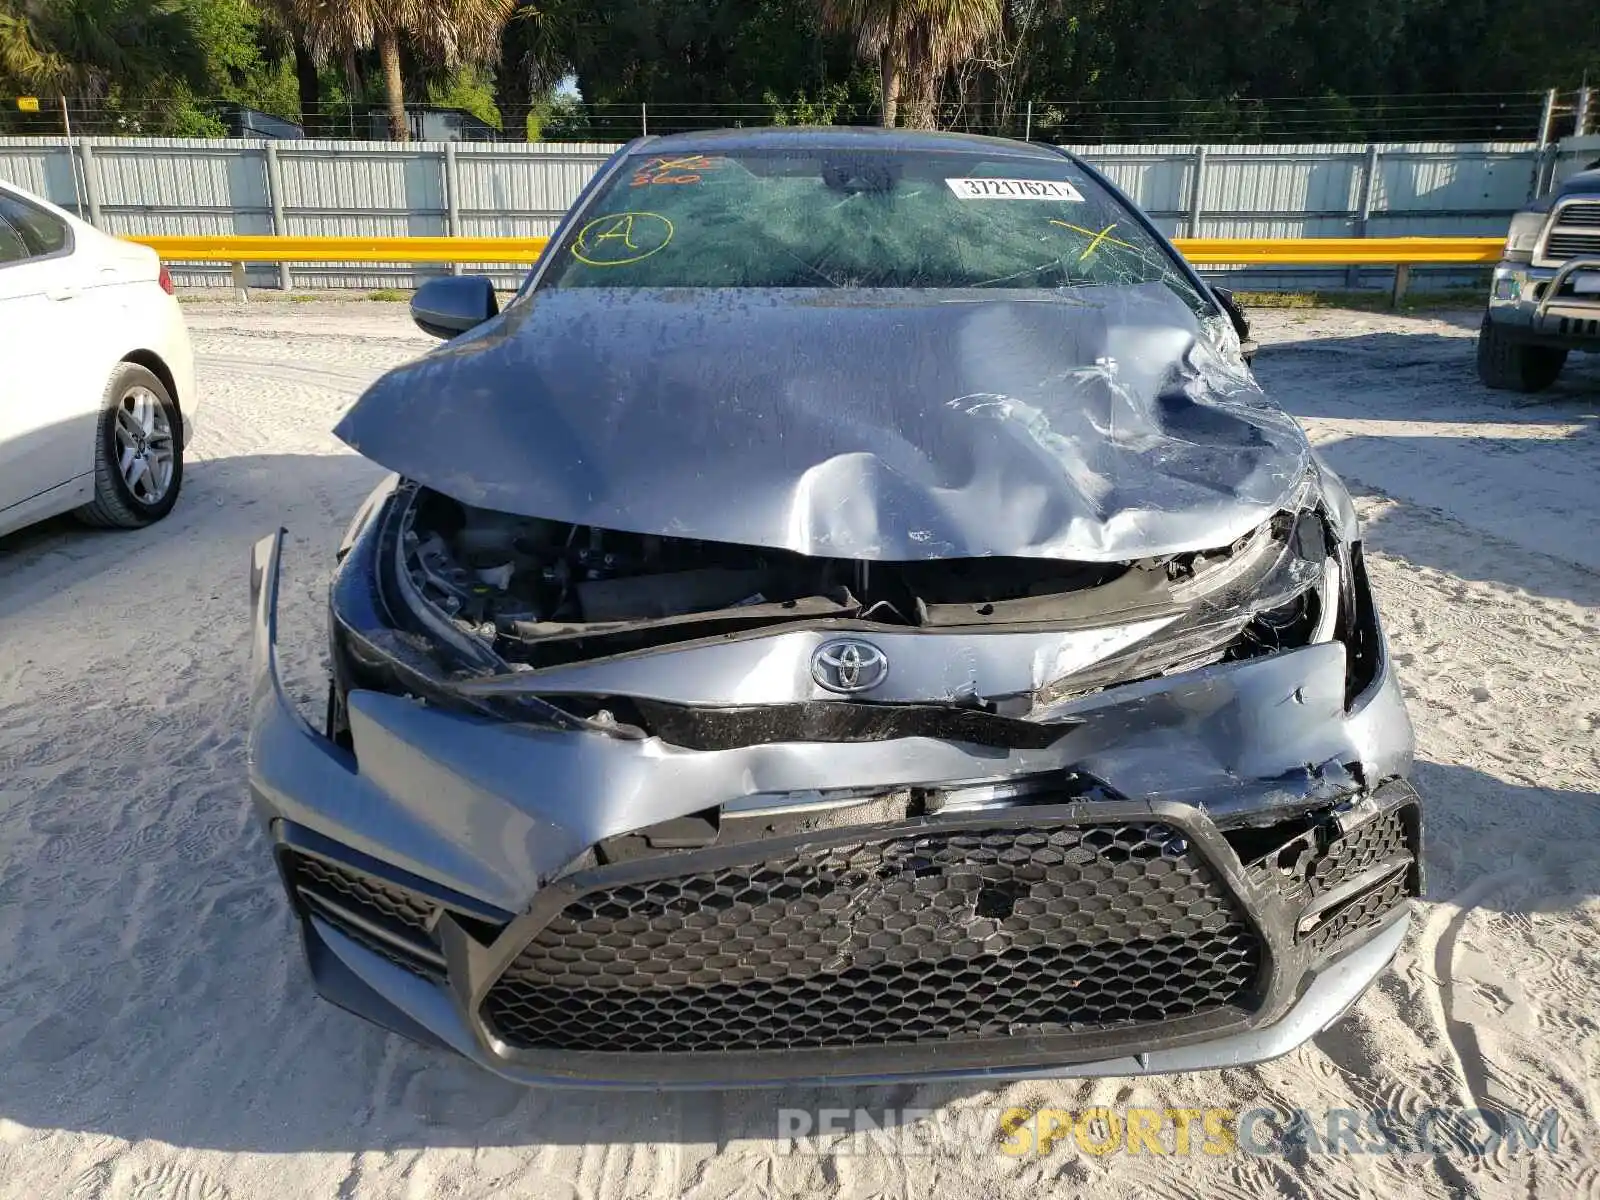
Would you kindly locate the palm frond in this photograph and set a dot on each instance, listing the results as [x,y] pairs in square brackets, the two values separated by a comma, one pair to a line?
[24,60]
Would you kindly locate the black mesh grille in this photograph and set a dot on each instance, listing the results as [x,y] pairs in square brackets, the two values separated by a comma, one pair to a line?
[912,937]
[371,897]
[1302,871]
[389,919]
[1309,866]
[1364,912]
[1381,838]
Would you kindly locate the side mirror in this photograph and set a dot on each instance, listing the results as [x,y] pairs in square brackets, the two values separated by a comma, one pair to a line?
[1241,323]
[446,307]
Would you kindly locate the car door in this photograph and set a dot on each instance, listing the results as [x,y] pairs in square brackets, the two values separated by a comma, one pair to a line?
[43,443]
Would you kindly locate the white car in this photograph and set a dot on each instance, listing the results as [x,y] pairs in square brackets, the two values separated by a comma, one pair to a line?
[97,394]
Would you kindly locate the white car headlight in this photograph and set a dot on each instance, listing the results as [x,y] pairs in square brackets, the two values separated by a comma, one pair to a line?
[1524,234]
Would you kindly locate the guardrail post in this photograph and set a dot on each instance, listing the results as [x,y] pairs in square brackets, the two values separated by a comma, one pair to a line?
[241,290]
[1367,187]
[1027,128]
[91,182]
[275,200]
[1196,190]
[452,197]
[1402,280]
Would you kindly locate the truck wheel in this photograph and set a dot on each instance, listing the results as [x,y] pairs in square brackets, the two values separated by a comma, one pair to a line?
[1511,365]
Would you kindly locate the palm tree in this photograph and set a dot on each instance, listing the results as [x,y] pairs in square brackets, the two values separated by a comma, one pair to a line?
[85,47]
[539,42]
[282,31]
[25,61]
[449,32]
[537,49]
[880,28]
[914,42]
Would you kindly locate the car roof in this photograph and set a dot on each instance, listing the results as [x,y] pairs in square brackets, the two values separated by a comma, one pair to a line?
[840,137]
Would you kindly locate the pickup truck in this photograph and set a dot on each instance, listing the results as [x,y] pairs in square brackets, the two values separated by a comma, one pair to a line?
[1545,299]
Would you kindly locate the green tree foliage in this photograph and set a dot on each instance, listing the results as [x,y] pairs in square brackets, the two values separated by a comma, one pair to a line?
[697,62]
[142,66]
[26,60]
[468,88]
[1092,68]
[86,47]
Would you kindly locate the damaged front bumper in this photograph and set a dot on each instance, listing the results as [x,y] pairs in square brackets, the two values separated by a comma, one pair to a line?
[1236,845]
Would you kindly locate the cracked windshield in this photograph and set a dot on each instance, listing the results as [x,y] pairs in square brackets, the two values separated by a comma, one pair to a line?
[860,220]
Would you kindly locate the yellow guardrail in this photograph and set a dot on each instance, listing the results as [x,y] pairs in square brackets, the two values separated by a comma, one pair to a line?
[1202,251]
[1342,252]
[1400,253]
[269,248]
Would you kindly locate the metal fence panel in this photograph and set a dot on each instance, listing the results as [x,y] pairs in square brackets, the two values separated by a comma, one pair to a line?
[521,194]
[359,188]
[41,167]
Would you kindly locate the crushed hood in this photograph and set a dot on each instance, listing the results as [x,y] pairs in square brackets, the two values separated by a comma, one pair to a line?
[1096,425]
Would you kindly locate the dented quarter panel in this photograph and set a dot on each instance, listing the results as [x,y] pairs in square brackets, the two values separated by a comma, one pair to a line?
[1095,424]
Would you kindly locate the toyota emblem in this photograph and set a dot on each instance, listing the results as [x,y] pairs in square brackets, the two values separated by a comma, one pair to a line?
[849,666]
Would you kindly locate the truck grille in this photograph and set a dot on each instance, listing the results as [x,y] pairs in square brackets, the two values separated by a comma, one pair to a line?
[1574,232]
[1570,245]
[894,935]
[1581,212]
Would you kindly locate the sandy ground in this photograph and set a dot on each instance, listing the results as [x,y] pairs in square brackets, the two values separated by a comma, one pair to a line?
[157,1034]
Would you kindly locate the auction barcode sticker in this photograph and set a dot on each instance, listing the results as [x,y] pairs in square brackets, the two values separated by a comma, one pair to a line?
[1014,189]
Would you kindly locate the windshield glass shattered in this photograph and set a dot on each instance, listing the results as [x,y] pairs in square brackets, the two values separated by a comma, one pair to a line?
[858,219]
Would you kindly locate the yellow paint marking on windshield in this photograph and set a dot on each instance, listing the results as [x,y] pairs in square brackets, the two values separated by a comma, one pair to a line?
[1094,238]
[621,229]
[621,238]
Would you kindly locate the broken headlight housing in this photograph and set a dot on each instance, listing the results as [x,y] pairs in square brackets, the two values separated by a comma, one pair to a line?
[1281,586]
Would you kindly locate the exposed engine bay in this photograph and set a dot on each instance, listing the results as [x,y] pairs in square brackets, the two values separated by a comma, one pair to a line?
[523,594]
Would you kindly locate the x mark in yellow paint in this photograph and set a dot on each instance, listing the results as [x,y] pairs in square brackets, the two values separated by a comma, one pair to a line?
[1094,238]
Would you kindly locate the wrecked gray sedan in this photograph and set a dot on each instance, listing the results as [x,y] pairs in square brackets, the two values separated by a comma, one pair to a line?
[852,616]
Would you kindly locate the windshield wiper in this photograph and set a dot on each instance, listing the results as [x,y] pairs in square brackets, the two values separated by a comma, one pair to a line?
[1056,263]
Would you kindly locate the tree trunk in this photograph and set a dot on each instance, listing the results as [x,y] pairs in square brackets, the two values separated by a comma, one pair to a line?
[309,82]
[921,87]
[393,86]
[889,76]
[514,100]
